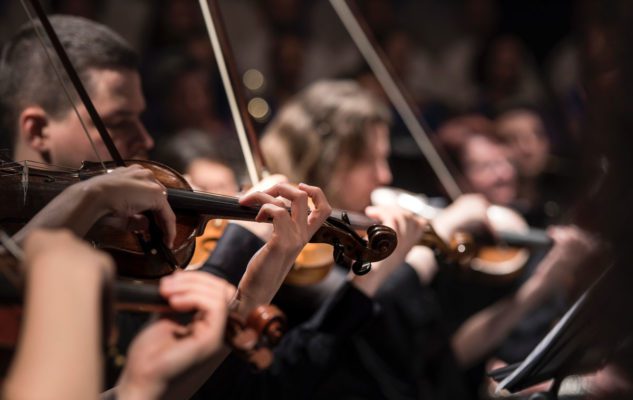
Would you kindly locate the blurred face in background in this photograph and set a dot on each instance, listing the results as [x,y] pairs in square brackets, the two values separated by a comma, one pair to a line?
[488,170]
[527,142]
[354,180]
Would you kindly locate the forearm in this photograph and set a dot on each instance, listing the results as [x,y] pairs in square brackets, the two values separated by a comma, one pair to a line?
[484,331]
[307,353]
[264,276]
[53,361]
[76,209]
[183,387]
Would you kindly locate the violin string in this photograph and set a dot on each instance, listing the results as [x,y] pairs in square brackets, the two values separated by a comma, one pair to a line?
[39,164]
[38,30]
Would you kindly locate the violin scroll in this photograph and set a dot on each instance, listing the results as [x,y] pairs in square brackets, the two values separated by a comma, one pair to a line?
[254,337]
[353,251]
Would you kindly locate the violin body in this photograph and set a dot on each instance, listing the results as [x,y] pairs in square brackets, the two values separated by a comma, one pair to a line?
[312,265]
[27,190]
[205,243]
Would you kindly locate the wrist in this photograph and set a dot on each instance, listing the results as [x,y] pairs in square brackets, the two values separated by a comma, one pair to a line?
[422,260]
[92,197]
[129,389]
[264,276]
[91,204]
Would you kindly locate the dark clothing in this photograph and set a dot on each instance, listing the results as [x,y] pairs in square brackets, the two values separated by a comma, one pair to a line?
[231,255]
[461,298]
[403,354]
[403,351]
[306,353]
[305,356]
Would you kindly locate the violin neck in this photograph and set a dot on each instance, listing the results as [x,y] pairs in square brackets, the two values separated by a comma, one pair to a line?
[355,220]
[533,238]
[210,205]
[227,207]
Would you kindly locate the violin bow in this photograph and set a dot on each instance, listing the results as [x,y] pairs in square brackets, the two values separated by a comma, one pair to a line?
[154,248]
[358,29]
[234,92]
[12,248]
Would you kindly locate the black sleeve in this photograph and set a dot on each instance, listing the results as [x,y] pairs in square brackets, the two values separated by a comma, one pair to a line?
[304,357]
[233,252]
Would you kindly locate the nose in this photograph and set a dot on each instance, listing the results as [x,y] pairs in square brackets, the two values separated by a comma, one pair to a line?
[147,142]
[383,173]
[504,171]
[138,142]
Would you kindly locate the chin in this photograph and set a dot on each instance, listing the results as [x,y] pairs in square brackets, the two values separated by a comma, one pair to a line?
[503,198]
[358,207]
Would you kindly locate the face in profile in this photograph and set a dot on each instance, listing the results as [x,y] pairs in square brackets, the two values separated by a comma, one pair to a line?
[488,170]
[117,96]
[528,146]
[354,180]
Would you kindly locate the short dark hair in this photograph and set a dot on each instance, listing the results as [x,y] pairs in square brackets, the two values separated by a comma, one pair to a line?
[27,78]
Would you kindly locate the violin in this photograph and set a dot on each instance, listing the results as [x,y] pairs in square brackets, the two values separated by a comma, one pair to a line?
[315,261]
[205,243]
[500,257]
[252,338]
[28,190]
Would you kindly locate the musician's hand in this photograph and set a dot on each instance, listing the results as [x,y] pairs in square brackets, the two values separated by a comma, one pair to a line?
[291,231]
[573,248]
[263,231]
[408,229]
[124,193]
[165,350]
[116,198]
[469,211]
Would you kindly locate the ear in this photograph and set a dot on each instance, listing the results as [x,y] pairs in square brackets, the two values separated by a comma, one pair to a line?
[32,122]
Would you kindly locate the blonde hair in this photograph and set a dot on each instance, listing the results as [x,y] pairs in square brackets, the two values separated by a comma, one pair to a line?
[319,128]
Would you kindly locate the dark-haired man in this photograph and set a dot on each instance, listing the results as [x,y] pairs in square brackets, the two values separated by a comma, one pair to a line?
[40,118]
